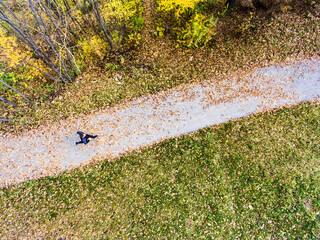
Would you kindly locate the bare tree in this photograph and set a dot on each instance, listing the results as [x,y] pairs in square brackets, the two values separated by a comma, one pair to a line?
[47,49]
[95,8]
[50,31]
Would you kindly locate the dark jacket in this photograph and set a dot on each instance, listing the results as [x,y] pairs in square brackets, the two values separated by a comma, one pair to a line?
[83,138]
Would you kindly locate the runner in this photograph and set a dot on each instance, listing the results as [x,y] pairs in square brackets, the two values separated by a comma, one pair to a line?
[85,138]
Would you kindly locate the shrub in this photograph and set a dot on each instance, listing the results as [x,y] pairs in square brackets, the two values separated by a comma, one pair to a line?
[198,31]
[91,50]
[193,26]
[179,7]
[124,19]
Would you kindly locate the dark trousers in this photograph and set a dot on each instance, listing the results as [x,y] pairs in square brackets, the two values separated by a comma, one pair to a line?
[85,139]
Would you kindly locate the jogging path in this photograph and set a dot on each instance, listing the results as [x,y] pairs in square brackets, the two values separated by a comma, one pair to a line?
[50,150]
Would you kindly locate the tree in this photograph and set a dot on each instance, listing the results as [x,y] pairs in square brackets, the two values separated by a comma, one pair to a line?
[49,30]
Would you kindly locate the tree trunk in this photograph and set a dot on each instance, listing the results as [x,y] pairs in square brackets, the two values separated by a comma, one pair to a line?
[5,119]
[16,91]
[7,101]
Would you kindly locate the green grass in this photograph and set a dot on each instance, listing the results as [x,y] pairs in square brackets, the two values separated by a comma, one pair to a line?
[254,177]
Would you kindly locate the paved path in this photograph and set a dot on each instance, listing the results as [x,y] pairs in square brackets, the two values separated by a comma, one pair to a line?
[147,120]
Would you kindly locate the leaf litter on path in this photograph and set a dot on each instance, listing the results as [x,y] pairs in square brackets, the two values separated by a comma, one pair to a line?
[50,150]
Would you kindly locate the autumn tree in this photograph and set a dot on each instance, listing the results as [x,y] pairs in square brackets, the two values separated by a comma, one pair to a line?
[44,34]
[48,29]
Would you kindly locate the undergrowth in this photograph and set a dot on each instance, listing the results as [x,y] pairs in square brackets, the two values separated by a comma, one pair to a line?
[241,41]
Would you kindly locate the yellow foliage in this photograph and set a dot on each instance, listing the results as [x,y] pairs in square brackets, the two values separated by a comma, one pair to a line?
[134,39]
[115,10]
[179,6]
[123,18]
[198,32]
[20,58]
[8,46]
[160,31]
[92,48]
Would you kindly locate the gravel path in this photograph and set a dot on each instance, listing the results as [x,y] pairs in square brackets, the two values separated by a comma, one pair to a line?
[47,151]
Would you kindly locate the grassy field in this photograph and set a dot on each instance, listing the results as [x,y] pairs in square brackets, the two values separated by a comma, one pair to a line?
[257,177]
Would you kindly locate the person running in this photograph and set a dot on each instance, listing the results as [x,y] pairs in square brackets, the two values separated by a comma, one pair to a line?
[85,138]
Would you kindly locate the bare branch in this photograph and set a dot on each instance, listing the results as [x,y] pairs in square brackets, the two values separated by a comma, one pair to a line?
[16,91]
[5,119]
[72,18]
[41,25]
[7,101]
[96,11]
[50,29]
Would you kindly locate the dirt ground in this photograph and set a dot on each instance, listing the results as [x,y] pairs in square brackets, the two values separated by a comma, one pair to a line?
[48,151]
